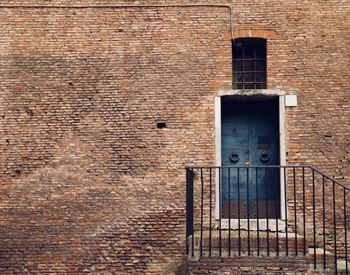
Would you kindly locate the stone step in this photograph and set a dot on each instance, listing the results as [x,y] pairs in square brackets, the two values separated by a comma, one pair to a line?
[342,266]
[295,247]
[250,265]
[319,253]
[263,239]
[290,259]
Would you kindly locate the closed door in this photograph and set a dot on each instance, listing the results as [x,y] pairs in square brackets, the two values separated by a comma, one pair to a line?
[250,138]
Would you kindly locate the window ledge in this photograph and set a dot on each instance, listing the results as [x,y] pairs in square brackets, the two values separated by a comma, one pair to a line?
[248,92]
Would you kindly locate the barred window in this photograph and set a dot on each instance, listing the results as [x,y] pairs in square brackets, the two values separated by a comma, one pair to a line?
[249,63]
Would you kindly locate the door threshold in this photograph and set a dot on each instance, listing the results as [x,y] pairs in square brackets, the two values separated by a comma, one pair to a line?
[242,224]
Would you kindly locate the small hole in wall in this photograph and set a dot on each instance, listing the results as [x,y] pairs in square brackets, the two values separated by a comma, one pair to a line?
[29,112]
[161,125]
[17,172]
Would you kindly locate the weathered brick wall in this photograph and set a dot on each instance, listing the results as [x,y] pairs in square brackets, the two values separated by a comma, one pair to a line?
[88,183]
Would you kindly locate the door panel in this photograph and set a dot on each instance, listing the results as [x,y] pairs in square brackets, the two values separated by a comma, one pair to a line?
[250,137]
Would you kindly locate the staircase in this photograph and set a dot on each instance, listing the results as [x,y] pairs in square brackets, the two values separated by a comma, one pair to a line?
[309,236]
[259,252]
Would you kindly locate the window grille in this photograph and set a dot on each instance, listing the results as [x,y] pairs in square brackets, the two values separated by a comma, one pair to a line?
[249,63]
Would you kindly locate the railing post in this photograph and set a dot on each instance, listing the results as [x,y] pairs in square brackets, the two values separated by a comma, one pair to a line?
[189,208]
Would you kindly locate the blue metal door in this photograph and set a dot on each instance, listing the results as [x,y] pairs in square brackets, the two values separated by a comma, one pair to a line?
[250,138]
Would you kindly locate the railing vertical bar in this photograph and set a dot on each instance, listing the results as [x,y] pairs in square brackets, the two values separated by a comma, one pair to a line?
[192,239]
[335,230]
[346,233]
[324,222]
[192,245]
[248,211]
[295,214]
[257,208]
[276,208]
[220,211]
[202,213]
[314,215]
[285,170]
[210,208]
[189,209]
[239,213]
[304,208]
[229,211]
[186,233]
[267,214]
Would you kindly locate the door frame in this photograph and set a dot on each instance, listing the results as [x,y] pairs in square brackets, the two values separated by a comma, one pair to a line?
[282,140]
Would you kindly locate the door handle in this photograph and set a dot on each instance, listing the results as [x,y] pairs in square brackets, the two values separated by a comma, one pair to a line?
[234,157]
[264,157]
[247,162]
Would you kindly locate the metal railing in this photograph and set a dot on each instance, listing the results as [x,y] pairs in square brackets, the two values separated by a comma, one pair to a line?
[267,210]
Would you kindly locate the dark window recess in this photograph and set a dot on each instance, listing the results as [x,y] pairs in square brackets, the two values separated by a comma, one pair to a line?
[161,125]
[249,63]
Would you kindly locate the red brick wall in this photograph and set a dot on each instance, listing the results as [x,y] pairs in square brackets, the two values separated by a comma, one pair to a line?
[88,182]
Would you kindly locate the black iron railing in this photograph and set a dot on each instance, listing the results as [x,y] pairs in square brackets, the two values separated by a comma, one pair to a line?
[267,210]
